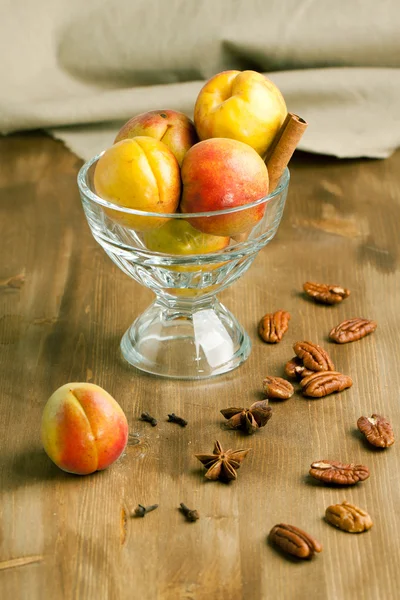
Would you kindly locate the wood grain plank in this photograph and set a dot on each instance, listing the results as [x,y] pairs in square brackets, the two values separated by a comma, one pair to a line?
[64,322]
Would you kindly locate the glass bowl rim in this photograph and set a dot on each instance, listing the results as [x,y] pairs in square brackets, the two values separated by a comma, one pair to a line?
[88,193]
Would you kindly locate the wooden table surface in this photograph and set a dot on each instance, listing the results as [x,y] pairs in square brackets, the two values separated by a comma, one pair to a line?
[63,309]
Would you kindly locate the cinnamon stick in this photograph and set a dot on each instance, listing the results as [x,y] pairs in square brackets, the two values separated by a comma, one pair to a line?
[279,154]
[283,146]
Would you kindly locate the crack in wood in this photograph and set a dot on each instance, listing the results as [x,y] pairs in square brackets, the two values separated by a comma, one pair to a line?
[20,562]
[15,282]
[124,525]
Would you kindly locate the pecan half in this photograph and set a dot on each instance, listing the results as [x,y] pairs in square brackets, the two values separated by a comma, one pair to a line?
[313,356]
[327,294]
[293,540]
[324,383]
[352,330]
[332,471]
[273,325]
[294,369]
[377,430]
[278,388]
[348,517]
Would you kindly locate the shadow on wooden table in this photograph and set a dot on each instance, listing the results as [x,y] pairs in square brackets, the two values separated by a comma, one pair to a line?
[32,466]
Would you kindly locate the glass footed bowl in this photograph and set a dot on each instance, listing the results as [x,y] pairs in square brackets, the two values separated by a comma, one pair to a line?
[186,332]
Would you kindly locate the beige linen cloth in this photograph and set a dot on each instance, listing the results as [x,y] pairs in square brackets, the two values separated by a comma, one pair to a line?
[80,68]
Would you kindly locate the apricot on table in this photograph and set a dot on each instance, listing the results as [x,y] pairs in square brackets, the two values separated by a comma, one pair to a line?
[83,428]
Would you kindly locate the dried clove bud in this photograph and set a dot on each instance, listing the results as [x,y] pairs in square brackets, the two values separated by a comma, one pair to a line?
[172,418]
[141,510]
[148,418]
[191,515]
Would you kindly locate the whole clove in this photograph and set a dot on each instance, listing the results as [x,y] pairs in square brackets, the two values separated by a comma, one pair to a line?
[148,418]
[141,510]
[172,418]
[191,515]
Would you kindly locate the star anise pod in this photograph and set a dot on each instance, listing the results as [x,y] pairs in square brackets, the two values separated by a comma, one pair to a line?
[222,464]
[248,419]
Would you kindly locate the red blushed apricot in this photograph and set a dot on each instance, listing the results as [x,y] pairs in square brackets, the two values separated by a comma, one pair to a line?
[220,174]
[172,128]
[83,428]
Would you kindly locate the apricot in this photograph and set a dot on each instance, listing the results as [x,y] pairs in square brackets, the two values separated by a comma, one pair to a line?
[177,236]
[219,174]
[140,173]
[171,127]
[83,428]
[241,105]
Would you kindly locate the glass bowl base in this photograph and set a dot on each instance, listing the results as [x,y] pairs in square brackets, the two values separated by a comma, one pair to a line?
[186,341]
